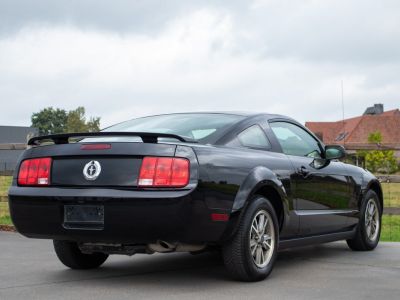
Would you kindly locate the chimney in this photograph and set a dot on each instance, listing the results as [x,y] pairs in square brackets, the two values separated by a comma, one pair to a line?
[377,109]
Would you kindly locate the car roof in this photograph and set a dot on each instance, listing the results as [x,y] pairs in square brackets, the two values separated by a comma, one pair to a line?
[246,114]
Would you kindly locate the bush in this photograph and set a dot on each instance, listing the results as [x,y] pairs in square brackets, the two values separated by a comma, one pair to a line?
[381,161]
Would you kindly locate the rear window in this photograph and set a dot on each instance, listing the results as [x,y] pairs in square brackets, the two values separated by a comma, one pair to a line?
[194,126]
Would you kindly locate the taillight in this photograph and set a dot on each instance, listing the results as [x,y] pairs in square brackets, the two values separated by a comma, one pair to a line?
[96,147]
[164,172]
[35,172]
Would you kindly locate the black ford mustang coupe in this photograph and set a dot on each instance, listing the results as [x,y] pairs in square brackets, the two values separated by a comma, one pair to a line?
[248,184]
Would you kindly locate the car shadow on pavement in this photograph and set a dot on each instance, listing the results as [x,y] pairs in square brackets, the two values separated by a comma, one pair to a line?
[178,268]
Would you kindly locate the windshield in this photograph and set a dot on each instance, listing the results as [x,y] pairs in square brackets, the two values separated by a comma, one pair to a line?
[196,126]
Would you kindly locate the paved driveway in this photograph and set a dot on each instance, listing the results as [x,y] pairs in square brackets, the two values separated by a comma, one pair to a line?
[30,270]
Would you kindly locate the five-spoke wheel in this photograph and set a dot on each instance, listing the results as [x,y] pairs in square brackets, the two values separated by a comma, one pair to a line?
[372,220]
[251,253]
[369,227]
[262,238]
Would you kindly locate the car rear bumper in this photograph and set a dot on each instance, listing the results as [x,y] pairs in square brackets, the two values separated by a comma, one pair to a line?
[135,217]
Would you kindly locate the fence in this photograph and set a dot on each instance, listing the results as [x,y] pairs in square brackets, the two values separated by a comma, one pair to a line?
[391,211]
[9,154]
[7,168]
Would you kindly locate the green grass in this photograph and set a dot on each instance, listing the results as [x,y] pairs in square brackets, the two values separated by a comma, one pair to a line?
[5,218]
[390,228]
[391,194]
[4,209]
[5,182]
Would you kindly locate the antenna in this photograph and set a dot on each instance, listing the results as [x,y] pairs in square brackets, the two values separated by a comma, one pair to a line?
[344,133]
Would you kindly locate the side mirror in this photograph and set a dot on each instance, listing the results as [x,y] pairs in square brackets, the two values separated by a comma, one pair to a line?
[334,152]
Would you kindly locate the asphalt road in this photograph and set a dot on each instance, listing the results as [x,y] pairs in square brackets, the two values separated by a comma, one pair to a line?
[30,270]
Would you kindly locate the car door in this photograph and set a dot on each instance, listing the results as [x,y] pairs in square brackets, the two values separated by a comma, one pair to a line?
[321,188]
[269,155]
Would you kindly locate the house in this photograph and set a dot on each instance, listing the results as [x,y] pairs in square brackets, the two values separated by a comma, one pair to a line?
[13,141]
[353,133]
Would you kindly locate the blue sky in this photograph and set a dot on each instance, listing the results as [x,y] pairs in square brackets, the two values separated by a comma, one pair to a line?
[125,59]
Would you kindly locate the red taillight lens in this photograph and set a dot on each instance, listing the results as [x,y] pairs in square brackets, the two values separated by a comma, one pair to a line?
[164,172]
[35,172]
[147,171]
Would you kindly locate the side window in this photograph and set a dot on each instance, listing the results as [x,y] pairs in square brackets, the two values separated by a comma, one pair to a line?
[252,137]
[294,140]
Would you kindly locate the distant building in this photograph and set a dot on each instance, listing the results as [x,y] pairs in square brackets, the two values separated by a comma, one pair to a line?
[13,141]
[353,133]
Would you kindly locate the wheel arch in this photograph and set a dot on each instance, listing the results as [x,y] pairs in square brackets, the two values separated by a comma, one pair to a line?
[262,181]
[269,192]
[375,186]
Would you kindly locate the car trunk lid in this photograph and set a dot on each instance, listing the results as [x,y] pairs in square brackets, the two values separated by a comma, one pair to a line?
[116,165]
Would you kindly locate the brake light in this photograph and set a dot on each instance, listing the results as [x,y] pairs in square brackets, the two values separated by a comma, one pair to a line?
[164,172]
[35,172]
[95,147]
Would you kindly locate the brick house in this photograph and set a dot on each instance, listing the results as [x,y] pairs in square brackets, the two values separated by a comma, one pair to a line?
[353,133]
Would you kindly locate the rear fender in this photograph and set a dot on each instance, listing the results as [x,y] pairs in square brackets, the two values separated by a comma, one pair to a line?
[258,177]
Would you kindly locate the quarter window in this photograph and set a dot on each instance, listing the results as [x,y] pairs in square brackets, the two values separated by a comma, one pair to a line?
[252,137]
[295,141]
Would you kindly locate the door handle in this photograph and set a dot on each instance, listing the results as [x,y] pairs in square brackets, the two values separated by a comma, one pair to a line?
[303,171]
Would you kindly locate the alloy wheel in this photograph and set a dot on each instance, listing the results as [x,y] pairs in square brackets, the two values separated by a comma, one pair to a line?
[372,221]
[262,239]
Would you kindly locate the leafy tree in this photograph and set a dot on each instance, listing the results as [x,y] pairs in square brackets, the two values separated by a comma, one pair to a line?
[76,121]
[93,124]
[375,137]
[50,120]
[379,160]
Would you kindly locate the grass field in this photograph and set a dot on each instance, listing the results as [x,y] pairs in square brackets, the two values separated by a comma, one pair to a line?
[390,228]
[5,182]
[391,194]
[4,214]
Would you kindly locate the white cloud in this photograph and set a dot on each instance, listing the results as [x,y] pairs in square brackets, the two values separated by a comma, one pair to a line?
[209,59]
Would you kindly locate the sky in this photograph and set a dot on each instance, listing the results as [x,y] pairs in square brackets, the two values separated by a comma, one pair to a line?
[123,59]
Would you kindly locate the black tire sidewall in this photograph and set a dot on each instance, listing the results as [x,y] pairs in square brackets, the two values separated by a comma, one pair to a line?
[70,255]
[257,204]
[368,243]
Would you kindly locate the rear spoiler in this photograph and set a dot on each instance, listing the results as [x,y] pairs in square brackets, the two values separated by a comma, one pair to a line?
[147,137]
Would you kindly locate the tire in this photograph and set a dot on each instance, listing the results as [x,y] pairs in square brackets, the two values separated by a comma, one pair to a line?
[238,252]
[71,256]
[367,239]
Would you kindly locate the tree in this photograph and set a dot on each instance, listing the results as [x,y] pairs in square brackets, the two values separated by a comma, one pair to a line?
[375,137]
[76,121]
[93,124]
[380,160]
[50,120]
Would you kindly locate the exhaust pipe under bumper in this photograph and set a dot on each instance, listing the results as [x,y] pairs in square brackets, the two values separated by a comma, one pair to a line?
[163,246]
